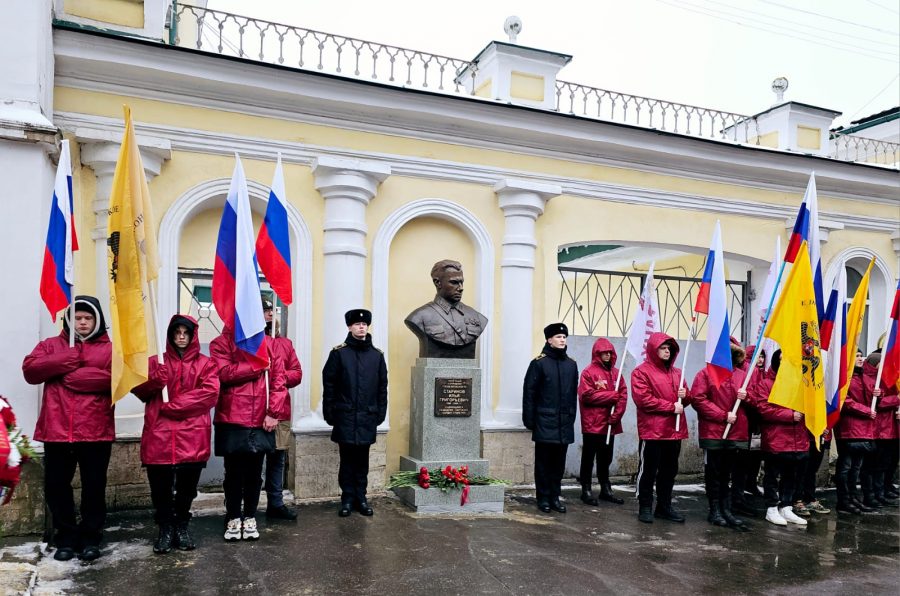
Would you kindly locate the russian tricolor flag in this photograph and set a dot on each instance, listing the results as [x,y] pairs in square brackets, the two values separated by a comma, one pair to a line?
[712,300]
[806,227]
[235,287]
[273,245]
[891,372]
[833,341]
[58,271]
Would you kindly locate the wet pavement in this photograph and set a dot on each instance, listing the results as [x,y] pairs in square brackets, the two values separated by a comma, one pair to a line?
[589,550]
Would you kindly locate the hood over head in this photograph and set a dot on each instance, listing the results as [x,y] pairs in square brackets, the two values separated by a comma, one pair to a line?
[603,345]
[654,342]
[89,304]
[193,346]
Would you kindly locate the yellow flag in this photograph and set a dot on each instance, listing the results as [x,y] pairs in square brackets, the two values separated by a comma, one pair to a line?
[800,383]
[854,325]
[132,262]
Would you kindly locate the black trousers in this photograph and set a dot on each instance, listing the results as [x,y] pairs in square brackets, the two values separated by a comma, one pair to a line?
[275,478]
[243,479]
[807,489]
[353,474]
[549,468]
[718,470]
[846,474]
[172,490]
[782,475]
[92,460]
[890,475]
[659,466]
[594,447]
[877,469]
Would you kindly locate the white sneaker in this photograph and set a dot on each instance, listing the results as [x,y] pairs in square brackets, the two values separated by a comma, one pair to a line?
[789,516]
[233,530]
[249,530]
[774,516]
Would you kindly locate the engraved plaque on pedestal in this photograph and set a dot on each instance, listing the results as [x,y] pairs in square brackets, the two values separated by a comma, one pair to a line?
[452,397]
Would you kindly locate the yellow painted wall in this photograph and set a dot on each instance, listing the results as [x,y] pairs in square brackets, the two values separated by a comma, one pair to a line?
[526,86]
[128,13]
[484,90]
[105,104]
[767,140]
[809,137]
[416,247]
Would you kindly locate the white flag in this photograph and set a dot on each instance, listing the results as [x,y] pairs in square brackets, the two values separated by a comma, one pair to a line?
[770,346]
[646,320]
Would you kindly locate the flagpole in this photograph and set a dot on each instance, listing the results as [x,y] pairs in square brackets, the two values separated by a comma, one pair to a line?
[687,349]
[70,315]
[275,313]
[751,366]
[160,348]
[612,410]
[881,363]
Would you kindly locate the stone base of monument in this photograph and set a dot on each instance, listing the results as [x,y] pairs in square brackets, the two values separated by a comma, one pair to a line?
[430,501]
[477,467]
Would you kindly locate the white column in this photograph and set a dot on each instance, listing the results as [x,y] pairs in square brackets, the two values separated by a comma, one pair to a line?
[895,243]
[101,156]
[522,203]
[28,148]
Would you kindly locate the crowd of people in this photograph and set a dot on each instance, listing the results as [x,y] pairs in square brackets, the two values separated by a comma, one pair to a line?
[759,433]
[252,424]
[253,412]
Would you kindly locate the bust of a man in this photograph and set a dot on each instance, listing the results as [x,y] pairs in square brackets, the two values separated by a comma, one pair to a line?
[446,327]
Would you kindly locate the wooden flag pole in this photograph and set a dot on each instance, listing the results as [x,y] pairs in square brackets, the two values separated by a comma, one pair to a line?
[687,349]
[160,346]
[612,410]
[70,316]
[881,365]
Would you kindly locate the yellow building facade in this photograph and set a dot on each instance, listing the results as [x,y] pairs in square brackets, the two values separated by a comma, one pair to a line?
[385,179]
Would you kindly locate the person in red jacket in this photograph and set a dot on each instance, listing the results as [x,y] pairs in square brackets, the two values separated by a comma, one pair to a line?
[246,416]
[855,432]
[601,406]
[76,426]
[659,402]
[876,464]
[785,442]
[283,349]
[714,412]
[175,442]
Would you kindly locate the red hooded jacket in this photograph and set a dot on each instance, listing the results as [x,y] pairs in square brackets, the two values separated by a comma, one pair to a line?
[780,433]
[654,389]
[283,349]
[714,403]
[178,432]
[855,422]
[242,393]
[77,405]
[596,394]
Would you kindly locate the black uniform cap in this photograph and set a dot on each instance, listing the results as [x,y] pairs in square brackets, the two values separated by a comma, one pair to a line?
[555,329]
[358,315]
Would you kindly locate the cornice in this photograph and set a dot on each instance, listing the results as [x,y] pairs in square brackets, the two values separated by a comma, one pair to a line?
[225,144]
[165,73]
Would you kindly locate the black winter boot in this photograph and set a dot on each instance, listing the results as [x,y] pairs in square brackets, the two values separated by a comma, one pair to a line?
[645,514]
[587,498]
[163,542]
[715,514]
[606,494]
[733,521]
[184,540]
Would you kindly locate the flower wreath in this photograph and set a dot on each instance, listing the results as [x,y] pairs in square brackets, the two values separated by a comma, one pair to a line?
[14,450]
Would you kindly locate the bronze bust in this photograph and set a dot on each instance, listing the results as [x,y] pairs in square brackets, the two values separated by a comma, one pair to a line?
[446,327]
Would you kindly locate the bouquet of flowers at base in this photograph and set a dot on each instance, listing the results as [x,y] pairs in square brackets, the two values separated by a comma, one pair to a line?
[448,478]
[14,450]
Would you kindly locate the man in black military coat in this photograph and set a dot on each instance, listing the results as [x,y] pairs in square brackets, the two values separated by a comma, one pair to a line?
[549,401]
[354,401]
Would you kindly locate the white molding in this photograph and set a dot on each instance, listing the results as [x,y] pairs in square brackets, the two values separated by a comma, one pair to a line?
[484,254]
[207,80]
[199,198]
[183,139]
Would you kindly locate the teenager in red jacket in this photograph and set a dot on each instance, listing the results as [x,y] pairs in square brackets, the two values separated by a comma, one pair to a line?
[283,349]
[748,458]
[76,426]
[785,443]
[855,433]
[175,440]
[714,405]
[601,406]
[875,464]
[655,391]
[246,416]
